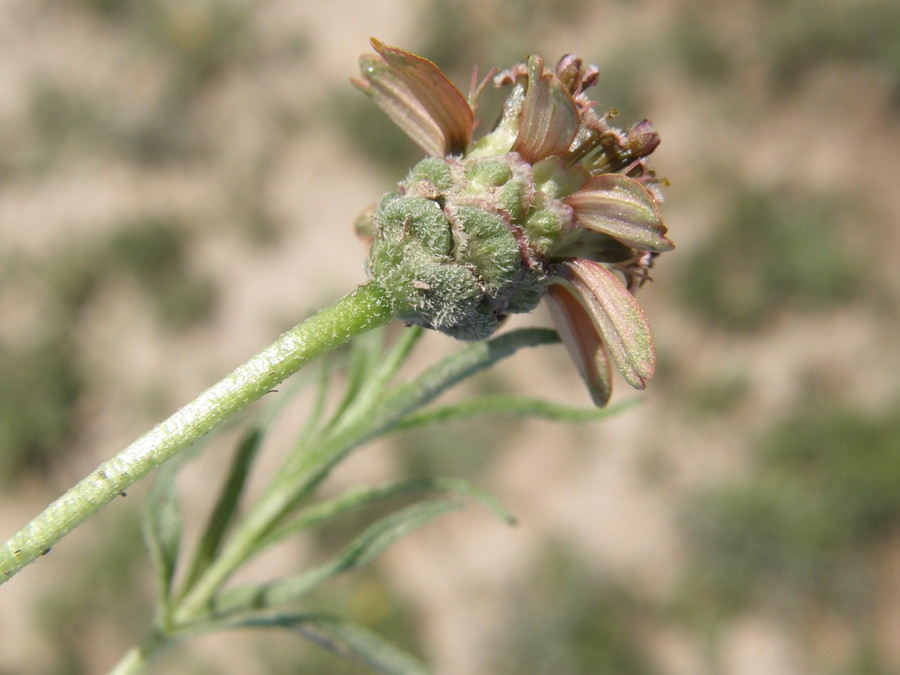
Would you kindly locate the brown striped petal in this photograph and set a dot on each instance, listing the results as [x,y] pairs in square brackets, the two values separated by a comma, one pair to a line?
[622,208]
[582,341]
[616,315]
[550,117]
[417,96]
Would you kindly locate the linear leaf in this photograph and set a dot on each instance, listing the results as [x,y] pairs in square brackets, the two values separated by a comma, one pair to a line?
[354,641]
[344,638]
[309,468]
[362,550]
[362,497]
[379,378]
[364,356]
[162,527]
[434,381]
[519,406]
[226,505]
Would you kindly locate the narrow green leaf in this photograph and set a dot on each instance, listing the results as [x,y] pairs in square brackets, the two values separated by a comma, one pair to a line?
[162,527]
[379,378]
[309,468]
[226,505]
[437,379]
[362,497]
[519,406]
[362,550]
[364,356]
[316,414]
[353,641]
[344,638]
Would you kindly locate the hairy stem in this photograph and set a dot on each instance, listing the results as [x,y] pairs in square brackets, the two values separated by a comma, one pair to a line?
[367,307]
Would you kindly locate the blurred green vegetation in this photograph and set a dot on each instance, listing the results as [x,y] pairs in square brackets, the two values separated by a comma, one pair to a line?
[105,585]
[38,402]
[772,251]
[717,397]
[802,35]
[153,252]
[806,524]
[699,51]
[460,449]
[192,44]
[567,619]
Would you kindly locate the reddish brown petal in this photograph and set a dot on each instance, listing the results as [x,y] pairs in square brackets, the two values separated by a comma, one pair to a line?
[550,116]
[397,101]
[617,316]
[438,97]
[582,341]
[622,208]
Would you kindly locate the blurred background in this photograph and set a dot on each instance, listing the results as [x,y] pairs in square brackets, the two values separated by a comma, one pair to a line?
[179,182]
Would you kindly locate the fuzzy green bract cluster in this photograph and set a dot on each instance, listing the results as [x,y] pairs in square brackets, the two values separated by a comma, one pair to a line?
[553,203]
[450,245]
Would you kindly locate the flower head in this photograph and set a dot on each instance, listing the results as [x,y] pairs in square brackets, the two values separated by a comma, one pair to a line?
[552,203]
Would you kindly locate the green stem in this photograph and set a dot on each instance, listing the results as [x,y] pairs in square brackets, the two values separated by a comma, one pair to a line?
[367,307]
[138,659]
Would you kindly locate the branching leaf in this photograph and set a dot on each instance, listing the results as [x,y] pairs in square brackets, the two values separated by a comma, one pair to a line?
[381,376]
[309,469]
[316,416]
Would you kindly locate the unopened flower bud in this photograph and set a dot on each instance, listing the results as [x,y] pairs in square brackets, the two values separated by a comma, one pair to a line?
[553,202]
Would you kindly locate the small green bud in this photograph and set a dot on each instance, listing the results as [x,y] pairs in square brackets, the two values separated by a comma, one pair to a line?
[505,182]
[431,170]
[417,221]
[547,223]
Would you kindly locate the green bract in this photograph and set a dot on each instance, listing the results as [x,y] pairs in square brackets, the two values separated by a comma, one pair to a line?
[450,247]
